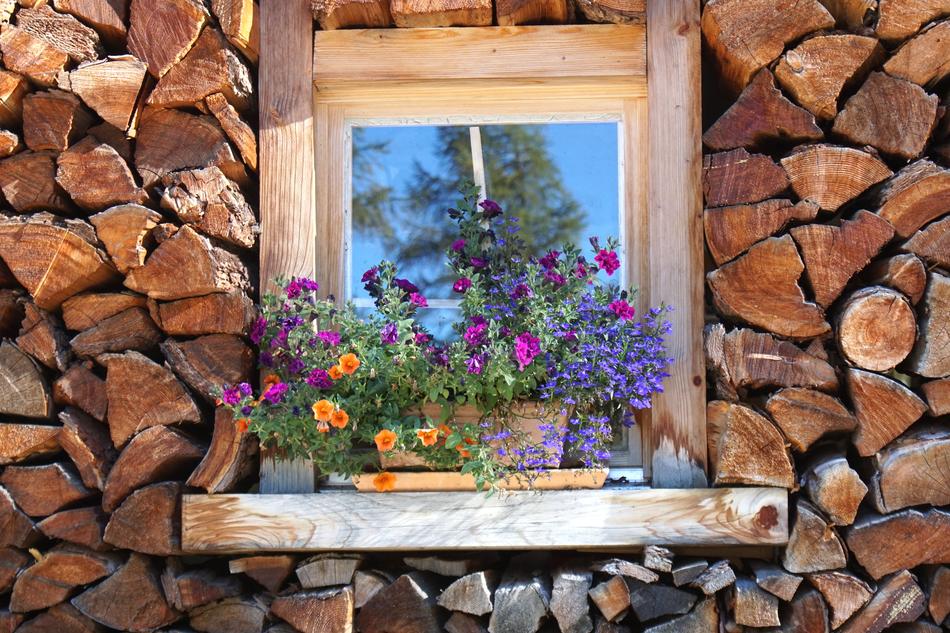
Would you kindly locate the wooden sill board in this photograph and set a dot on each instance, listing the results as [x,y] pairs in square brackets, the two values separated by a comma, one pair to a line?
[560,479]
[566,519]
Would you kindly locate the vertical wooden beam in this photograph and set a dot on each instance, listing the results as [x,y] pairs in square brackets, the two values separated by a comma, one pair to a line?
[675,198]
[287,214]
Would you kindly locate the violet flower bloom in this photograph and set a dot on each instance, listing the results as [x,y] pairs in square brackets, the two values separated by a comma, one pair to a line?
[520,291]
[296,366]
[329,337]
[608,261]
[622,309]
[418,300]
[421,338]
[389,334]
[319,379]
[298,285]
[245,389]
[258,330]
[475,363]
[458,245]
[475,334]
[462,284]
[405,285]
[231,396]
[371,275]
[275,393]
[490,208]
[555,278]
[549,261]
[527,347]
[478,263]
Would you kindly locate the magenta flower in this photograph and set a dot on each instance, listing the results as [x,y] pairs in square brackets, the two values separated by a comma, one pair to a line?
[258,330]
[275,393]
[319,379]
[458,245]
[475,334]
[622,309]
[478,263]
[298,285]
[475,363]
[527,347]
[580,269]
[549,261]
[231,396]
[418,300]
[608,261]
[389,334]
[490,208]
[371,275]
[422,338]
[329,337]
[555,278]
[405,285]
[520,291]
[462,284]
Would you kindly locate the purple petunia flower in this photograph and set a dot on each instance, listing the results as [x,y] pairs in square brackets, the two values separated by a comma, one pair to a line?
[478,263]
[245,389]
[266,359]
[439,356]
[258,330]
[298,285]
[329,337]
[608,261]
[475,334]
[458,245]
[296,366]
[231,395]
[389,334]
[462,284]
[319,379]
[580,269]
[549,261]
[490,208]
[418,300]
[275,393]
[555,278]
[527,347]
[421,338]
[476,363]
[622,309]
[405,285]
[520,291]
[371,275]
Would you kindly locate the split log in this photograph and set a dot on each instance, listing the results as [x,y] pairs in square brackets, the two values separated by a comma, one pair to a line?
[932,243]
[31,56]
[16,529]
[13,89]
[61,31]
[328,570]
[342,14]
[657,558]
[890,114]
[43,337]
[937,584]
[23,389]
[230,457]
[746,36]
[917,195]
[905,273]
[937,393]
[171,140]
[186,590]
[923,59]
[129,330]
[110,86]
[229,312]
[687,570]
[82,526]
[612,598]
[212,204]
[367,583]
[903,540]
[130,599]
[208,362]
[775,580]
[805,416]
[164,232]
[63,618]
[211,66]
[738,177]
[761,116]
[621,567]
[813,545]
[714,579]
[702,619]
[843,591]
[114,138]
[148,521]
[472,593]
[613,11]
[107,17]
[57,575]
[53,120]
[81,388]
[143,394]
[884,409]
[899,19]
[819,69]
[830,175]
[761,288]
[12,561]
[329,611]
[745,448]
[931,355]
[834,487]
[28,181]
[730,231]
[20,442]
[230,614]
[239,132]
[123,230]
[569,604]
[87,444]
[876,329]
[9,144]
[851,14]
[464,623]
[745,359]
[11,312]
[239,21]
[155,454]
[96,177]
[160,34]
[753,607]
[898,599]
[269,572]
[408,604]
[86,311]
[517,12]
[652,601]
[425,14]
[186,265]
[913,470]
[43,490]
[53,263]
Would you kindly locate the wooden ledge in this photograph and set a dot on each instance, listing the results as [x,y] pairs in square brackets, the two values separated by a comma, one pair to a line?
[608,518]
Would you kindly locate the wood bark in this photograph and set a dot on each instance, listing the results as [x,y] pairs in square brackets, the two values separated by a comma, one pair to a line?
[652,601]
[161,48]
[111,86]
[831,175]
[834,487]
[884,409]
[53,120]
[844,592]
[913,470]
[212,204]
[28,182]
[883,544]
[229,312]
[876,329]
[904,273]
[932,243]
[44,490]
[431,13]
[21,442]
[730,231]
[898,599]
[87,443]
[107,17]
[738,177]
[340,14]
[917,195]
[715,578]
[746,448]
[814,544]
[622,567]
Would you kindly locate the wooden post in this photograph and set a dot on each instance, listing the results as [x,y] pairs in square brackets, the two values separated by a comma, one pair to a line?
[675,202]
[288,218]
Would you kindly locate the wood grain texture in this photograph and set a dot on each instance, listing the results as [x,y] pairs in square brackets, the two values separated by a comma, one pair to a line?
[423,521]
[675,203]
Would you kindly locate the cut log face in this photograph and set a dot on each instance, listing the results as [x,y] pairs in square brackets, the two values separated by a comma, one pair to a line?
[464,623]
[472,593]
[702,619]
[843,591]
[211,66]
[746,36]
[162,33]
[20,442]
[834,487]
[16,529]
[53,263]
[114,138]
[753,607]
[31,56]
[653,601]
[209,362]
[96,177]
[341,14]
[745,448]
[212,204]
[913,470]
[9,143]
[877,328]
[239,132]
[23,389]
[53,120]
[61,31]
[407,604]
[890,114]
[130,599]
[834,254]
[923,59]
[86,311]
[760,116]
[427,14]
[43,337]
[761,288]
[148,521]
[63,618]
[884,409]
[614,11]
[918,194]
[87,443]
[28,181]
[813,545]
[903,540]
[230,458]
[143,394]
[195,588]
[186,265]
[82,526]
[107,17]
[327,611]
[327,570]
[831,176]
[366,584]
[937,584]
[129,330]
[269,572]
[806,415]
[937,393]
[612,598]
[13,89]
[817,70]
[239,21]
[12,561]
[898,599]
[516,12]
[231,614]
[81,388]
[221,313]
[44,490]
[738,177]
[899,19]
[730,231]
[109,86]
[569,604]
[932,243]
[776,580]
[123,230]
[715,578]
[905,273]
[57,575]
[621,567]
[658,558]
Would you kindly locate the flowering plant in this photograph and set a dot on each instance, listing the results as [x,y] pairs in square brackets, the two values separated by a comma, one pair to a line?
[344,390]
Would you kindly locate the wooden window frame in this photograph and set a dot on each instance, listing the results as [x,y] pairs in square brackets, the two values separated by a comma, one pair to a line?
[311,83]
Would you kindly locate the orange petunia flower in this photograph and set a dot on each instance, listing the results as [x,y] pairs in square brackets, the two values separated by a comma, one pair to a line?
[384,481]
[339,418]
[322,410]
[242,424]
[270,379]
[445,429]
[335,372]
[385,440]
[462,452]
[349,363]
[323,427]
[428,436]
